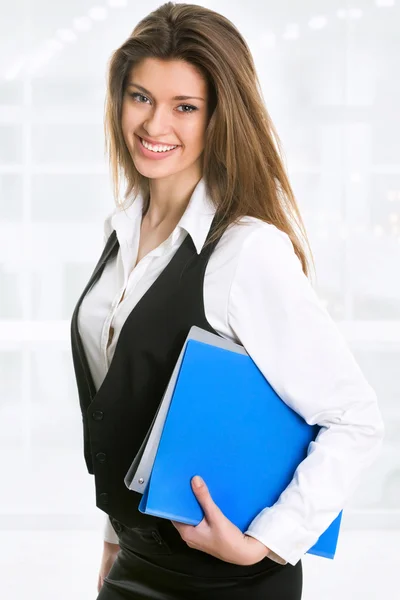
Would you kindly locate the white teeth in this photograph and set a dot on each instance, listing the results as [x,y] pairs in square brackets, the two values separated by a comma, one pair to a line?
[156,148]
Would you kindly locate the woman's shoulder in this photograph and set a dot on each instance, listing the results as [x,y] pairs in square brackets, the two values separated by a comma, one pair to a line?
[255,234]
[250,245]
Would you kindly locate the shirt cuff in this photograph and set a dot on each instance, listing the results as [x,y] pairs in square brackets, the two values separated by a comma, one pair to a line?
[109,532]
[271,554]
[286,539]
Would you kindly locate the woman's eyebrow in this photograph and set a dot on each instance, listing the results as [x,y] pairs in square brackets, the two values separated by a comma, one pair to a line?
[174,98]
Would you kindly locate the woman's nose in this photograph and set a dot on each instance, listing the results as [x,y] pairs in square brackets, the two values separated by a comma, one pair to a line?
[157,125]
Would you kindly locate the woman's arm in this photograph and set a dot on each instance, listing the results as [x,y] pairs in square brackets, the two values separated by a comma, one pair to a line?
[275,313]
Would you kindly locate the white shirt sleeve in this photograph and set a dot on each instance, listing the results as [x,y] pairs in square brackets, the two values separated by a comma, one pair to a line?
[109,532]
[276,314]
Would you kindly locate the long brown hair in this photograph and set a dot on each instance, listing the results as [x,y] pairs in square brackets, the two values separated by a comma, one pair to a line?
[242,166]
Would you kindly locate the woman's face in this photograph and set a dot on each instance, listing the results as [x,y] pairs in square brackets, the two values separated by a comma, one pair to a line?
[150,110]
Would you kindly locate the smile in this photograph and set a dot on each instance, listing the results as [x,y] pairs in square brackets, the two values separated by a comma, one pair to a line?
[158,147]
[155,152]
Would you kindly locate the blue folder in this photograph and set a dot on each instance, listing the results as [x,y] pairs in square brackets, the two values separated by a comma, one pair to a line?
[226,423]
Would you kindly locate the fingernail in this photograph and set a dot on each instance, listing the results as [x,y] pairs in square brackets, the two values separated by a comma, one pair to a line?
[197,481]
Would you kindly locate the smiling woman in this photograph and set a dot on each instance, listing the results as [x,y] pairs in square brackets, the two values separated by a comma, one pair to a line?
[208,233]
[171,110]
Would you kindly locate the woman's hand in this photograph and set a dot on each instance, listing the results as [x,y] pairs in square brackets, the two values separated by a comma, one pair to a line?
[110,552]
[218,536]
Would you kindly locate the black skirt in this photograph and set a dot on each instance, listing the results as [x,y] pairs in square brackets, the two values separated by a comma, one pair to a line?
[154,563]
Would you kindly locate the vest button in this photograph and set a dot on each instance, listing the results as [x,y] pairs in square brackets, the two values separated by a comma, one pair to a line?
[97,415]
[103,498]
[101,456]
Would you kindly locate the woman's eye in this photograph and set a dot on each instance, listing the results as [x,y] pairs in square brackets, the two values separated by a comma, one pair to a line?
[191,108]
[136,95]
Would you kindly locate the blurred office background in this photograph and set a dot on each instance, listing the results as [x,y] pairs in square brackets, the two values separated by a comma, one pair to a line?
[329,73]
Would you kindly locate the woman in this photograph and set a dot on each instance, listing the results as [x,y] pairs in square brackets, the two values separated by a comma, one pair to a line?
[207,235]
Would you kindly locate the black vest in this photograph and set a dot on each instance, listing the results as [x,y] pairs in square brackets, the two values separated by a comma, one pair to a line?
[117,417]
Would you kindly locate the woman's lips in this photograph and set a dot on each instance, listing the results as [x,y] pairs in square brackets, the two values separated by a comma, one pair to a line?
[154,155]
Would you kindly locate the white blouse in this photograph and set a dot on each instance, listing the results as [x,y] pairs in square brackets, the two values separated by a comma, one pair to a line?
[256,294]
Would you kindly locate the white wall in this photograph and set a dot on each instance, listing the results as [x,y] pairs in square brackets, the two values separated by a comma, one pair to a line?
[329,72]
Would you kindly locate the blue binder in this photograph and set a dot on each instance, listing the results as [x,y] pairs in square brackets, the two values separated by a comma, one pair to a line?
[227,424]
